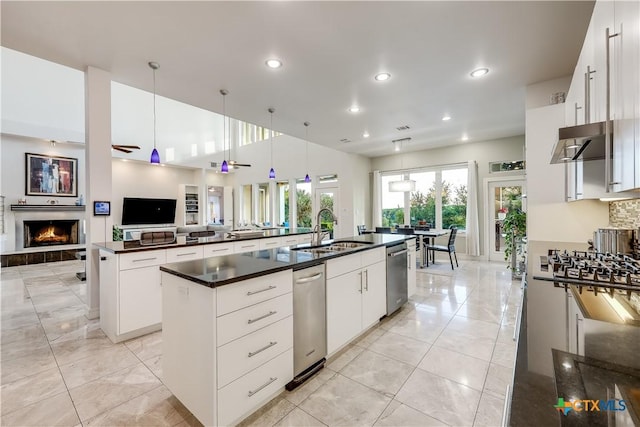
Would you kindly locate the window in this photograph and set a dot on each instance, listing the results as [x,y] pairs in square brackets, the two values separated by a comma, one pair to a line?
[282,202]
[249,133]
[439,199]
[303,203]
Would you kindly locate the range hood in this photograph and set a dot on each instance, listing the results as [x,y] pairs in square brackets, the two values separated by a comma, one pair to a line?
[582,142]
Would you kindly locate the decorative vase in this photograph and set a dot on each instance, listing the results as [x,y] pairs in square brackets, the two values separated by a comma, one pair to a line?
[502,215]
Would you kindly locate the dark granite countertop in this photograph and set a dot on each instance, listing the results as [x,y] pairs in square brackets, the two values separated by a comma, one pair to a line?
[584,378]
[223,270]
[181,241]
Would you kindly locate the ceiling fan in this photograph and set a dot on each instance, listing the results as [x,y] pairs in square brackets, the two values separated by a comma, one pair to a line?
[125,148]
[232,164]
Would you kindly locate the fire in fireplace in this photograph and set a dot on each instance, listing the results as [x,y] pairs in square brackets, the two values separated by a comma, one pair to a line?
[50,232]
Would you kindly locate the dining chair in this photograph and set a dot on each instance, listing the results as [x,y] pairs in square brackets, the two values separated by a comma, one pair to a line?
[383,230]
[450,248]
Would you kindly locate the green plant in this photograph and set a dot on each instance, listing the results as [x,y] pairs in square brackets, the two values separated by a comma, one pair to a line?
[514,227]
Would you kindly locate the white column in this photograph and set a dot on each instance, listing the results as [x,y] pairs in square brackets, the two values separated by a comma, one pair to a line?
[98,176]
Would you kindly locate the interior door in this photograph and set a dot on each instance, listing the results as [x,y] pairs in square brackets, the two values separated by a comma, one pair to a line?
[328,198]
[502,196]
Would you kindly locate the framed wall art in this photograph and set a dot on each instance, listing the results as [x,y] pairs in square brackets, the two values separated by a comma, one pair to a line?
[51,175]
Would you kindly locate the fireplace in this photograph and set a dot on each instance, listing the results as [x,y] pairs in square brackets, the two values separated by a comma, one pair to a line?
[50,232]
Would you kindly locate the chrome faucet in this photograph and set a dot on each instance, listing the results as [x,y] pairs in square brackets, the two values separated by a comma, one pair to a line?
[317,228]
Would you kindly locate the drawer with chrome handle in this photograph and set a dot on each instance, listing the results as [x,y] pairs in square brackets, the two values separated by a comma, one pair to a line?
[253,389]
[247,320]
[184,254]
[252,291]
[142,259]
[242,355]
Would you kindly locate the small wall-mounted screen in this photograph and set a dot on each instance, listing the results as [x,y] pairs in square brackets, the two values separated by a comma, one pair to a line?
[102,208]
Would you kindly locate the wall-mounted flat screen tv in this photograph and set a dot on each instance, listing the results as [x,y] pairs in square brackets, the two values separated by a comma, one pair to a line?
[141,211]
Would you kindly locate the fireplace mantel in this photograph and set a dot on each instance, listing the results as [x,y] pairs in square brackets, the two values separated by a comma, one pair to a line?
[47,208]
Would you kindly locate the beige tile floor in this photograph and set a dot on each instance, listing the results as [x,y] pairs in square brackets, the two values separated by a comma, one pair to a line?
[445,359]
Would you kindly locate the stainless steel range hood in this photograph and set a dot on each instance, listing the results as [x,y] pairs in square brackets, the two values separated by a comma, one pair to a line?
[582,142]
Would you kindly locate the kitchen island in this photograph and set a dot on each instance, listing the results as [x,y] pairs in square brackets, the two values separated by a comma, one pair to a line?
[130,287]
[228,324]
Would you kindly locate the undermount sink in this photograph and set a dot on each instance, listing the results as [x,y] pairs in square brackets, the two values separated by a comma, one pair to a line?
[333,247]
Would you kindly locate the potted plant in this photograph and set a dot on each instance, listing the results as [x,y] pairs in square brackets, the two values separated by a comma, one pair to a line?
[514,228]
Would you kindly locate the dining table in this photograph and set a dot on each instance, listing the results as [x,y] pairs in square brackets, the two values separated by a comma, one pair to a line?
[422,234]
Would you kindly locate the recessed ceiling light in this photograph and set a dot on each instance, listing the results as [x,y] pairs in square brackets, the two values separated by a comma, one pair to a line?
[382,77]
[273,63]
[354,109]
[479,72]
[464,138]
[446,118]
[365,135]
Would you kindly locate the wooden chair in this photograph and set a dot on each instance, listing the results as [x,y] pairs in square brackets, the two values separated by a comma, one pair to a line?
[450,248]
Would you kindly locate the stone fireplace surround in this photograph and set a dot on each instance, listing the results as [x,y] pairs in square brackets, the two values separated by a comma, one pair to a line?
[26,256]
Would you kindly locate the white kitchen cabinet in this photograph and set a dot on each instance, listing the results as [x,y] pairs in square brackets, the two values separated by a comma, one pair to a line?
[344,308]
[356,295]
[411,267]
[186,253]
[374,294]
[130,293]
[246,246]
[222,381]
[271,243]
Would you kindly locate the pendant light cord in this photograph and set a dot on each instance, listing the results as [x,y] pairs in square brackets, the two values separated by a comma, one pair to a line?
[271,110]
[224,126]
[154,108]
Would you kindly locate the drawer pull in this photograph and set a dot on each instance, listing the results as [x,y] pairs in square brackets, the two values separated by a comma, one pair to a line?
[271,313]
[260,350]
[190,253]
[248,246]
[261,290]
[251,393]
[144,259]
[220,250]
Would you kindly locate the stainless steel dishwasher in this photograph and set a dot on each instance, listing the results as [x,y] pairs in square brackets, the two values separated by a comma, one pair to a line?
[397,292]
[309,323]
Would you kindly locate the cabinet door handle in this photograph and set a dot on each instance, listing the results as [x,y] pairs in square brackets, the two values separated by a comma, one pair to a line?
[409,258]
[103,258]
[608,154]
[219,250]
[144,259]
[268,288]
[190,253]
[308,279]
[247,246]
[260,350]
[271,379]
[360,290]
[271,313]
[366,280]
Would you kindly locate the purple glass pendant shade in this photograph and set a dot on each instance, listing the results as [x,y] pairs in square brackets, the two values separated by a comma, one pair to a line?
[272,174]
[225,167]
[155,157]
[307,179]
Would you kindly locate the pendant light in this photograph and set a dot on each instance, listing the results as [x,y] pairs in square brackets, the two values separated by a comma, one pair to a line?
[272,172]
[225,165]
[155,156]
[307,179]
[406,184]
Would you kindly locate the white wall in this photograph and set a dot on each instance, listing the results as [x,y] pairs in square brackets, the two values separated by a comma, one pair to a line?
[505,149]
[136,179]
[539,94]
[12,177]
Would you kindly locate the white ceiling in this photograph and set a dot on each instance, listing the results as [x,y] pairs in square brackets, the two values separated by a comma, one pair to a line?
[331,51]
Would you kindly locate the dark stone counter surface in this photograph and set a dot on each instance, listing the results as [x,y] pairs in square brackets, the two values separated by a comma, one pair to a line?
[181,241]
[585,378]
[223,270]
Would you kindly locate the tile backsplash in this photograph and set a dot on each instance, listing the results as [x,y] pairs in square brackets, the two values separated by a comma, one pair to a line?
[625,213]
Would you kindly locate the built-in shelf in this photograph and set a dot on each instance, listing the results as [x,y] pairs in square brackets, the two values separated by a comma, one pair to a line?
[47,208]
